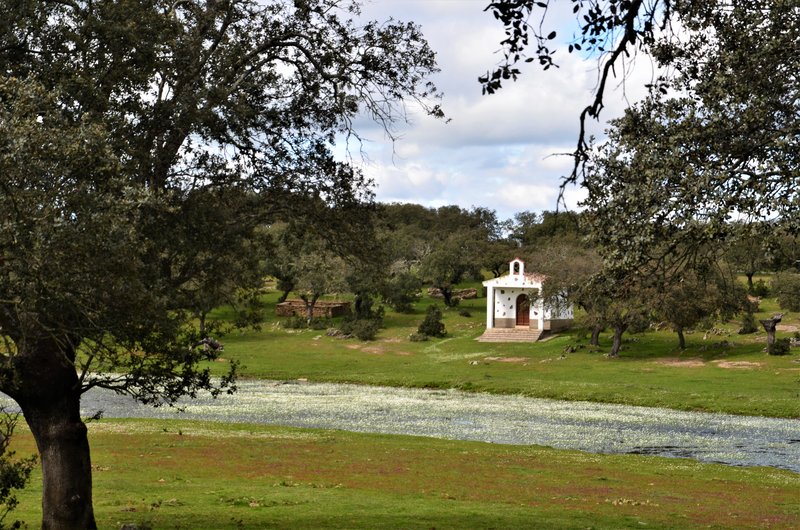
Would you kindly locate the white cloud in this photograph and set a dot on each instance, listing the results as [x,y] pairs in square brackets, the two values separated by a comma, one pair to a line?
[498,151]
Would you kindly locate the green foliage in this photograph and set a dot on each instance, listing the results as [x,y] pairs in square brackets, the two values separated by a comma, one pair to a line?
[452,260]
[536,231]
[14,473]
[295,322]
[298,322]
[640,324]
[678,166]
[319,324]
[760,289]
[363,329]
[432,325]
[748,324]
[365,322]
[786,287]
[401,291]
[143,146]
[781,346]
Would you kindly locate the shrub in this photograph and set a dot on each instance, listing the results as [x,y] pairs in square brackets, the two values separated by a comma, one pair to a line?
[295,322]
[319,323]
[748,324]
[454,301]
[432,325]
[418,337]
[365,323]
[780,347]
[363,329]
[786,288]
[760,289]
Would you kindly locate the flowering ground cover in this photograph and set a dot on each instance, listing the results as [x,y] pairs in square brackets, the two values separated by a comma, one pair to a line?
[507,419]
[169,474]
[719,371]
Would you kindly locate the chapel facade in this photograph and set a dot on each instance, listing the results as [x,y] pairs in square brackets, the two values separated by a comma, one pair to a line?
[514,304]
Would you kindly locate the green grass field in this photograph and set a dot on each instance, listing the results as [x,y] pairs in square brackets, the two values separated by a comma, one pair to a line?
[719,372]
[216,476]
[162,474]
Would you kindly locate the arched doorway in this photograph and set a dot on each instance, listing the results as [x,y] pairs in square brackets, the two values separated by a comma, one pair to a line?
[523,310]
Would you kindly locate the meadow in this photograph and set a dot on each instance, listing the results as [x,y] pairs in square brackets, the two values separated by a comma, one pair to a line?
[188,475]
[719,371]
[184,474]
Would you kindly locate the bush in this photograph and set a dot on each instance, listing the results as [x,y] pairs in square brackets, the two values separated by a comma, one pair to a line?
[432,325]
[418,337]
[363,329]
[295,322]
[298,322]
[365,323]
[786,287]
[780,347]
[319,323]
[760,289]
[748,324]
[454,301]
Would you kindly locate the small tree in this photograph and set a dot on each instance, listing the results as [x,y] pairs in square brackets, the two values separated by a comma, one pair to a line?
[748,323]
[450,262]
[690,298]
[746,252]
[432,325]
[319,272]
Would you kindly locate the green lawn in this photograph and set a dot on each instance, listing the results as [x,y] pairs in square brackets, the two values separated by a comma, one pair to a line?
[204,475]
[722,372]
[168,474]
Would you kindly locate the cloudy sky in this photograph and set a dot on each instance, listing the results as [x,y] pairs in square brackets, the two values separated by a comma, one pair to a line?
[499,151]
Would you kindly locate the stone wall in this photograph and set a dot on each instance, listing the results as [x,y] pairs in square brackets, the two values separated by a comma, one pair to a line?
[322,309]
[463,294]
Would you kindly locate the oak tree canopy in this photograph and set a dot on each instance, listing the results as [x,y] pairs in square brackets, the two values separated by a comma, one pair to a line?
[142,145]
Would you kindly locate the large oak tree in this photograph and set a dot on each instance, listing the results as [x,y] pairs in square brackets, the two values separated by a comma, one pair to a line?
[142,144]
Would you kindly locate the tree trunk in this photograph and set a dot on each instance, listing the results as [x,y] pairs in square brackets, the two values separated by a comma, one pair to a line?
[47,389]
[595,340]
[358,304]
[681,339]
[617,344]
[770,325]
[284,296]
[447,294]
[66,464]
[310,303]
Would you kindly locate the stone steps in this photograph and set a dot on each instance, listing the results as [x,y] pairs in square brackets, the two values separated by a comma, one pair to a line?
[510,335]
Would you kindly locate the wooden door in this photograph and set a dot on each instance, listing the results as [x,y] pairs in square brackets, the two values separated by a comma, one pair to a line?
[523,310]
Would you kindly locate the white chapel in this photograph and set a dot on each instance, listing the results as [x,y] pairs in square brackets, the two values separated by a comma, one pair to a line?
[516,311]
